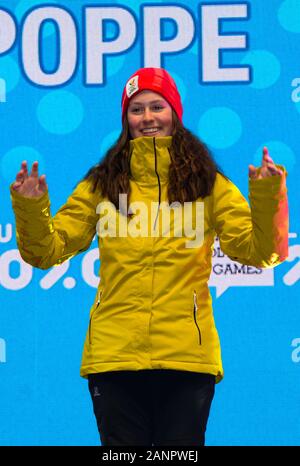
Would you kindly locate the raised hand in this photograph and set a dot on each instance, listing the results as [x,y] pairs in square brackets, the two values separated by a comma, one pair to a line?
[30,185]
[268,167]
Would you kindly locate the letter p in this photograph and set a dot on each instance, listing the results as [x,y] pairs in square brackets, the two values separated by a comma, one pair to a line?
[154,46]
[97,47]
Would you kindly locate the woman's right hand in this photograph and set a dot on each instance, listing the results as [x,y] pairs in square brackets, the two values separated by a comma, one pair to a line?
[30,185]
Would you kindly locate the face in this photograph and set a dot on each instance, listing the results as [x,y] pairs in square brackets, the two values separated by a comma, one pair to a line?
[149,114]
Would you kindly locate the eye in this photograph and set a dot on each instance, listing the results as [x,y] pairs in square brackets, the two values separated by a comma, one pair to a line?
[136,110]
[157,107]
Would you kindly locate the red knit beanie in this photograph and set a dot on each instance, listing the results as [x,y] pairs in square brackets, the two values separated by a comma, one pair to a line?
[152,79]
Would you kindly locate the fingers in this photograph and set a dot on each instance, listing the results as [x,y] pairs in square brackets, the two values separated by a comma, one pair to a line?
[42,183]
[268,163]
[20,176]
[19,179]
[35,170]
[274,170]
[26,183]
[24,167]
[252,172]
[23,173]
[266,158]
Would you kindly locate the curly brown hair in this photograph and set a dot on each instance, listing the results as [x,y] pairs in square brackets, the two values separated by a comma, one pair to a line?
[192,171]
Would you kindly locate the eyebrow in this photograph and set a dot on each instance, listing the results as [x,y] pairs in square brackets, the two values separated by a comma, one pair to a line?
[152,102]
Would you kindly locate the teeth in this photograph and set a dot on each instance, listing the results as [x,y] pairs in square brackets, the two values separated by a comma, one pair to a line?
[150,130]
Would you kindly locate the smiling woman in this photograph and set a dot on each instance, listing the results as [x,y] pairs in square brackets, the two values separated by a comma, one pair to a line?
[152,354]
[149,114]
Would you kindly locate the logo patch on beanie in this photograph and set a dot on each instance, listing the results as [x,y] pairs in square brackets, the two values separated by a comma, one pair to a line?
[132,86]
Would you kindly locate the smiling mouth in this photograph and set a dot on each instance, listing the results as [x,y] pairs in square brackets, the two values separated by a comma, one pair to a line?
[148,131]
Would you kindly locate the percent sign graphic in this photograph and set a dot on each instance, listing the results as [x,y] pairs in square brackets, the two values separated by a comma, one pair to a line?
[55,274]
[89,260]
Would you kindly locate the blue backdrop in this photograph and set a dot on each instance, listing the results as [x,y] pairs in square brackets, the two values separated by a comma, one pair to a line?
[63,65]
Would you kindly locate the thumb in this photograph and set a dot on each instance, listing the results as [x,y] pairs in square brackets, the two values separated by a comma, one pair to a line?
[252,172]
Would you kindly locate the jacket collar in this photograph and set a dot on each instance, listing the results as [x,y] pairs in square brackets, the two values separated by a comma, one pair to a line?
[149,157]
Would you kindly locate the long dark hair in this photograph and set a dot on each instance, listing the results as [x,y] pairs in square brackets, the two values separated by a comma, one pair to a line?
[192,171]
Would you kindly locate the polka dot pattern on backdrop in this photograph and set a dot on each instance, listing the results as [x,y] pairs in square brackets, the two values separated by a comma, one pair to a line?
[289,15]
[114,64]
[220,127]
[9,72]
[280,152]
[60,112]
[11,161]
[262,60]
[108,141]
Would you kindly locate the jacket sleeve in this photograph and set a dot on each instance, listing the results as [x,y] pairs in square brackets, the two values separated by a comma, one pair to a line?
[43,240]
[258,235]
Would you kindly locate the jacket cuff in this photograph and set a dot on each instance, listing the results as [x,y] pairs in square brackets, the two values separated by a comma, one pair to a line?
[269,186]
[30,204]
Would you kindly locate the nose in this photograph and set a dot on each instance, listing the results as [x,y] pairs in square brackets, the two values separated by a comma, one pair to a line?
[148,116]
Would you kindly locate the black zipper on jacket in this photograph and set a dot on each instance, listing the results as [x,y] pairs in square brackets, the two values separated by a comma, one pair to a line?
[158,179]
[90,322]
[195,316]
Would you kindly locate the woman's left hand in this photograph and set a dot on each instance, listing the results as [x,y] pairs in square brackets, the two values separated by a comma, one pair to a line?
[268,168]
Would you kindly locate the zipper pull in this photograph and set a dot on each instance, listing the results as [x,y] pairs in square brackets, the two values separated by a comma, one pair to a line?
[195,301]
[99,298]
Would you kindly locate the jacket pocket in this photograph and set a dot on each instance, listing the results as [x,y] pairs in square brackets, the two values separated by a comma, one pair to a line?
[95,308]
[195,313]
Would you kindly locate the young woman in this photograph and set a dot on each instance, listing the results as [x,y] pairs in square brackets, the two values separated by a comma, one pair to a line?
[157,200]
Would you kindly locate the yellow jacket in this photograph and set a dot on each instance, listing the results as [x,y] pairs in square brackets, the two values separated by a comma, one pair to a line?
[153,308]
